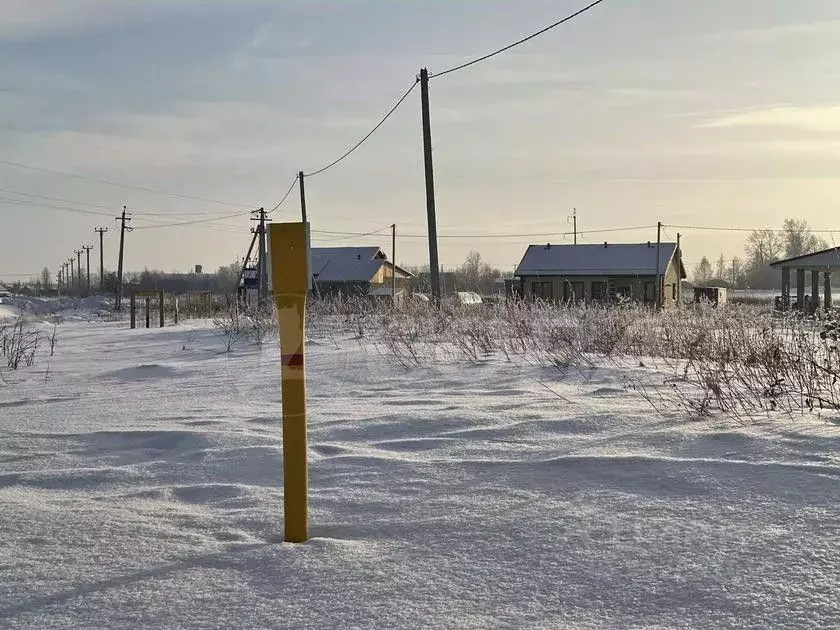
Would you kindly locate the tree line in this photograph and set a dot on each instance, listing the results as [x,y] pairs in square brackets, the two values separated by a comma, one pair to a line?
[761,248]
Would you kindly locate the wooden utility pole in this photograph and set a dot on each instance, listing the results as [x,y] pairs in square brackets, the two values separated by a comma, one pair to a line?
[679,271]
[394,262]
[302,197]
[574,223]
[123,229]
[101,231]
[434,265]
[78,253]
[87,249]
[260,233]
[658,249]
[72,272]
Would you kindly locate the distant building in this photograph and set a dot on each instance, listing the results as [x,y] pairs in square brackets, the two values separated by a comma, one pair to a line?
[354,271]
[601,273]
[818,266]
[711,295]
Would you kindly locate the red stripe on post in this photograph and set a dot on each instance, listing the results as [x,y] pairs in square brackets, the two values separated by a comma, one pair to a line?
[292,360]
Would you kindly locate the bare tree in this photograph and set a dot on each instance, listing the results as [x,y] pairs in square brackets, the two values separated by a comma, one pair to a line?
[720,268]
[46,279]
[799,239]
[703,272]
[764,247]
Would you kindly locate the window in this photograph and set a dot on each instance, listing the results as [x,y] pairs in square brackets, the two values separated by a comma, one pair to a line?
[542,289]
[599,291]
[572,291]
[674,292]
[650,293]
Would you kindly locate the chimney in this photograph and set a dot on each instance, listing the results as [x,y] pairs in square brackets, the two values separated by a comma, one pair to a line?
[548,245]
[605,244]
[648,243]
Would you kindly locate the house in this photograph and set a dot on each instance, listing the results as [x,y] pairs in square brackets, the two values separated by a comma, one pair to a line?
[353,271]
[602,273]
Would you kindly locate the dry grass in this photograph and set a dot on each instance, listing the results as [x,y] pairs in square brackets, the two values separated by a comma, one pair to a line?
[740,361]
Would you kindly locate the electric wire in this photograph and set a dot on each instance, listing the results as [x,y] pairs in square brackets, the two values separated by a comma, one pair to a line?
[517,43]
[497,236]
[286,196]
[364,139]
[712,228]
[164,225]
[34,204]
[108,182]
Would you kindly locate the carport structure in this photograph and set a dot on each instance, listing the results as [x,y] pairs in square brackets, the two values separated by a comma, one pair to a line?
[822,262]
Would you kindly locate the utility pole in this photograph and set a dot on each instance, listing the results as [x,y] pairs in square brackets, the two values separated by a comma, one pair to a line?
[394,262]
[58,283]
[679,271]
[101,231]
[123,229]
[574,223]
[658,249]
[262,292]
[72,272]
[87,249]
[78,253]
[302,197]
[434,265]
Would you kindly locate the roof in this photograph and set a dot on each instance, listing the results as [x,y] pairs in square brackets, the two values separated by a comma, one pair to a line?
[348,264]
[823,259]
[612,259]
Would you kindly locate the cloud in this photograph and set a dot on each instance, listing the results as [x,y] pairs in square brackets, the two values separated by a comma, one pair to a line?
[825,118]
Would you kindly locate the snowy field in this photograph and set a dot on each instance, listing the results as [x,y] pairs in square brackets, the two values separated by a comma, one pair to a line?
[141,486]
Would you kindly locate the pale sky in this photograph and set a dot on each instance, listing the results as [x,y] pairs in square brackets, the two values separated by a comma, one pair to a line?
[720,112]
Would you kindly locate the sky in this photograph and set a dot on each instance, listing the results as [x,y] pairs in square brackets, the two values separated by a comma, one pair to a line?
[714,113]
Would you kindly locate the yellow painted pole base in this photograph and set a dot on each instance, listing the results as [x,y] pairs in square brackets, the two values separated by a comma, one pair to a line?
[290,282]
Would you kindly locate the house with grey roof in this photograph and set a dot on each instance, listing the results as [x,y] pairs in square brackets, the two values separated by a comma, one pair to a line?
[602,273]
[354,271]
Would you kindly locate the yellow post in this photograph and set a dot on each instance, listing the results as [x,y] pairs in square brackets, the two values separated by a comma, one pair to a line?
[290,282]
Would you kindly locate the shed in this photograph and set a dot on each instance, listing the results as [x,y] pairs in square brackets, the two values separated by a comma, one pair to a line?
[821,262]
[712,295]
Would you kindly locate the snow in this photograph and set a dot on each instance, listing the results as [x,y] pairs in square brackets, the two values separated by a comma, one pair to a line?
[141,486]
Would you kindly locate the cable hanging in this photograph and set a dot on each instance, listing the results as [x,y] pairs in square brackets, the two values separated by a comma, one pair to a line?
[496,236]
[107,182]
[365,139]
[711,228]
[517,43]
[288,192]
[163,225]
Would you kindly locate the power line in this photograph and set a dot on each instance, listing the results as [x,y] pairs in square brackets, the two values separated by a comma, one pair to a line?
[33,204]
[363,140]
[288,192]
[711,228]
[517,43]
[107,182]
[102,206]
[163,225]
[342,238]
[496,236]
